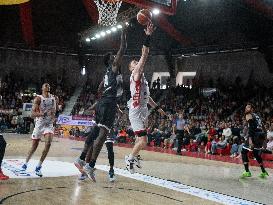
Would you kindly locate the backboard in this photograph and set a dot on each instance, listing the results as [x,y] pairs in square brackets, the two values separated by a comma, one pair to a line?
[165,6]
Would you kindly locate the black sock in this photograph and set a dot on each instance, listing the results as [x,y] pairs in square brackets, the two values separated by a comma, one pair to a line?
[262,167]
[246,167]
[83,155]
[111,169]
[92,163]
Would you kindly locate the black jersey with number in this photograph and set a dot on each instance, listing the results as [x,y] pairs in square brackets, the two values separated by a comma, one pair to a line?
[110,84]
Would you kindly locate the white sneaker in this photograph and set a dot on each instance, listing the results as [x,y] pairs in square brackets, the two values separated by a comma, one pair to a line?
[79,164]
[137,161]
[89,171]
[130,164]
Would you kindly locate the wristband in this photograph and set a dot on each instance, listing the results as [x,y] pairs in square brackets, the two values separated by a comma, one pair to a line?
[147,41]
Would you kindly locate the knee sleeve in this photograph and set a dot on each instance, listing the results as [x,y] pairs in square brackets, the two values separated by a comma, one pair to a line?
[244,155]
[257,154]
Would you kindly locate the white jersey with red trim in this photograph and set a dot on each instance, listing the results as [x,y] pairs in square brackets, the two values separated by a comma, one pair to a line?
[46,105]
[139,93]
[44,125]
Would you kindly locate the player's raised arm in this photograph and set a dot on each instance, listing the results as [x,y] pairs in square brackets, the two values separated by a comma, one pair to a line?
[123,45]
[35,112]
[138,71]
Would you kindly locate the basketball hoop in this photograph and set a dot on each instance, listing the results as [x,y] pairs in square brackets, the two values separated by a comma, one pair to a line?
[108,11]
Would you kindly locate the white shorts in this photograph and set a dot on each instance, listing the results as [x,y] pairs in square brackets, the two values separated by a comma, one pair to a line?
[139,118]
[42,129]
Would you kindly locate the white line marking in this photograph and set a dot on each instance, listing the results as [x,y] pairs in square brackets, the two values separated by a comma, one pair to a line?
[201,193]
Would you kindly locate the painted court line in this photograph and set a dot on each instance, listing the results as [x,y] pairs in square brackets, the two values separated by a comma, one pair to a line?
[201,193]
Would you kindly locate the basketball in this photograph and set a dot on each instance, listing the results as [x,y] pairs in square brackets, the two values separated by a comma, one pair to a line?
[144,16]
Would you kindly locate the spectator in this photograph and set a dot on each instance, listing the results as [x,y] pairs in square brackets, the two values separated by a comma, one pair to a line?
[227,132]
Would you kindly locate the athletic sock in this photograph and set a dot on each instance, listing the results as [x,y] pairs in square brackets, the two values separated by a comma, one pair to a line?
[39,164]
[262,167]
[246,167]
[131,157]
[83,155]
[92,163]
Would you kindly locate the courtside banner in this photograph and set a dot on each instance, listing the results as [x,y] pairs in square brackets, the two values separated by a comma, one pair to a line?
[68,120]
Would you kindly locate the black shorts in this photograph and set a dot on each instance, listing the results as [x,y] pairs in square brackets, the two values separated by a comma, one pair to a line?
[106,113]
[258,139]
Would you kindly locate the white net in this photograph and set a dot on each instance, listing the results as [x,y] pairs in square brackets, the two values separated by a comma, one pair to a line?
[108,12]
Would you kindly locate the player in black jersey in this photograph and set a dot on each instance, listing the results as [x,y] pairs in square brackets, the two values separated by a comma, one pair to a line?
[254,142]
[86,154]
[107,105]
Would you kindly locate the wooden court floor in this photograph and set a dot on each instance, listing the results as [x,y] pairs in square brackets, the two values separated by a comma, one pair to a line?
[216,176]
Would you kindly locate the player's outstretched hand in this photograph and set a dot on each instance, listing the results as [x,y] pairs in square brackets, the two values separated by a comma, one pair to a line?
[150,29]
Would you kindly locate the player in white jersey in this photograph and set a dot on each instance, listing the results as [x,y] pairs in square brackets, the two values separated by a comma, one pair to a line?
[140,97]
[43,112]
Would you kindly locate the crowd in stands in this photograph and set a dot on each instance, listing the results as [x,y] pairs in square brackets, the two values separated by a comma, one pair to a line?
[14,92]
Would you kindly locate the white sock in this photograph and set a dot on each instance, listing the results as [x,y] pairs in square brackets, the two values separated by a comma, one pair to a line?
[131,157]
[39,164]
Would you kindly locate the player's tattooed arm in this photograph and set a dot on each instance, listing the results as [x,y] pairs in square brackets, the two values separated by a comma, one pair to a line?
[35,112]
[123,45]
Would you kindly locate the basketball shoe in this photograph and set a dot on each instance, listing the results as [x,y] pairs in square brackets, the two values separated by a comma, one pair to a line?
[82,177]
[130,164]
[137,161]
[38,171]
[246,174]
[79,164]
[112,176]
[89,171]
[24,167]
[264,174]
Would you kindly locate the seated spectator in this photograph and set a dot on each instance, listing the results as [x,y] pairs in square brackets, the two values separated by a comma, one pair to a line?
[222,144]
[169,142]
[212,132]
[201,147]
[157,137]
[192,146]
[227,132]
[209,145]
[235,147]
[122,135]
[77,132]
